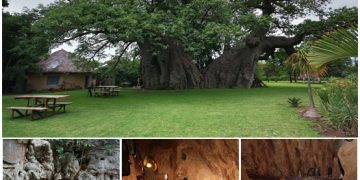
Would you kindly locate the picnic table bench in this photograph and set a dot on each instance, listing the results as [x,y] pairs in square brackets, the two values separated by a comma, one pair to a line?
[106,91]
[61,105]
[41,106]
[35,111]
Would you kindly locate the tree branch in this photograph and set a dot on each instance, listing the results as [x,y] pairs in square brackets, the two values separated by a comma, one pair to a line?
[119,57]
[99,49]
[78,35]
[281,41]
[205,14]
[267,54]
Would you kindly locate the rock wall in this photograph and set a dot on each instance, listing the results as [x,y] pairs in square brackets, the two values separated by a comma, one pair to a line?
[14,159]
[103,164]
[35,160]
[277,159]
[31,160]
[187,159]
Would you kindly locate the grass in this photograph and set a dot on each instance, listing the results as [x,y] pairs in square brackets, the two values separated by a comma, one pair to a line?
[260,112]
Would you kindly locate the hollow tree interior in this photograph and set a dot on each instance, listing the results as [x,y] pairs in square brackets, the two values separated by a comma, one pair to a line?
[180,159]
[308,159]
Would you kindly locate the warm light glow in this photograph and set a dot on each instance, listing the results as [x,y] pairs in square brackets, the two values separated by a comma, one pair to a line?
[148,165]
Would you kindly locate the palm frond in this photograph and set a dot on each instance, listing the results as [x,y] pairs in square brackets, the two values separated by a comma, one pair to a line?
[300,61]
[337,45]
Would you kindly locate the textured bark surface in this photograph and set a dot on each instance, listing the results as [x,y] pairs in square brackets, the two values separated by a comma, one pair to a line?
[348,156]
[171,68]
[235,68]
[288,158]
[191,159]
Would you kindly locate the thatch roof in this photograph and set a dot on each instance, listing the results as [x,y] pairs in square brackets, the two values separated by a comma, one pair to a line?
[60,61]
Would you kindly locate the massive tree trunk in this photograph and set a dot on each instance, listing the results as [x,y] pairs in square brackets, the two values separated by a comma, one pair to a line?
[170,68]
[235,68]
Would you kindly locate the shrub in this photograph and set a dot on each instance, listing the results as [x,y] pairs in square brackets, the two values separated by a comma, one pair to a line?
[274,78]
[339,102]
[294,102]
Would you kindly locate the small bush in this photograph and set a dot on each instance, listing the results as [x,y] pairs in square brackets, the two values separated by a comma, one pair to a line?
[339,102]
[294,102]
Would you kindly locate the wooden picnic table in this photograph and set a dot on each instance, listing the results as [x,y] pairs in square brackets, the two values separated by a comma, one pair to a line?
[106,90]
[41,104]
[107,86]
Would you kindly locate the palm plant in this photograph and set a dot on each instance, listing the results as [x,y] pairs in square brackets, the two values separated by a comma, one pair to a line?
[340,44]
[299,60]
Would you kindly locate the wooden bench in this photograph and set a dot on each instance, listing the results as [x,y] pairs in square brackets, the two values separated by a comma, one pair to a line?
[61,105]
[34,111]
[116,92]
[102,93]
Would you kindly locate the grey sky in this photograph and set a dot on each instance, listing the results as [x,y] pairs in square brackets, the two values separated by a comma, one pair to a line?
[19,5]
[342,3]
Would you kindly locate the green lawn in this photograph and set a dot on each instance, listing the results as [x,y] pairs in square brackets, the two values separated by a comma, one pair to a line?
[261,112]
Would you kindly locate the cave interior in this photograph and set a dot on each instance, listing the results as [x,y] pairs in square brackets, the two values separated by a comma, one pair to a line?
[164,159]
[280,159]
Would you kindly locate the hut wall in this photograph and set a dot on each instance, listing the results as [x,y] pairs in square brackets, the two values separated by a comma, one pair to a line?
[37,82]
[67,81]
[73,81]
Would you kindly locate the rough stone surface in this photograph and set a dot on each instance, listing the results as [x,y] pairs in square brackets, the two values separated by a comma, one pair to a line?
[14,171]
[103,164]
[34,160]
[14,151]
[69,167]
[14,158]
[44,155]
[39,163]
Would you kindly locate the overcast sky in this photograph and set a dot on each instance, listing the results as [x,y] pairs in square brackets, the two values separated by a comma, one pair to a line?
[19,5]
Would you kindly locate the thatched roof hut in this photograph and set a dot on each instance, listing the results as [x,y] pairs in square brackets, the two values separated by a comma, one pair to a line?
[60,71]
[61,61]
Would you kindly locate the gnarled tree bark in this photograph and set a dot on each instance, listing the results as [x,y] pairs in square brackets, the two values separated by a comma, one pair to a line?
[236,68]
[171,68]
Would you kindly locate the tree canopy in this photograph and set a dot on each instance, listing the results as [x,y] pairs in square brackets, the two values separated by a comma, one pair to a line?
[5,3]
[188,43]
[199,24]
[22,47]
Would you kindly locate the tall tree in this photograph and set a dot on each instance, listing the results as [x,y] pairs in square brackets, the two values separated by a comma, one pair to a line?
[21,48]
[185,43]
[301,62]
[5,3]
